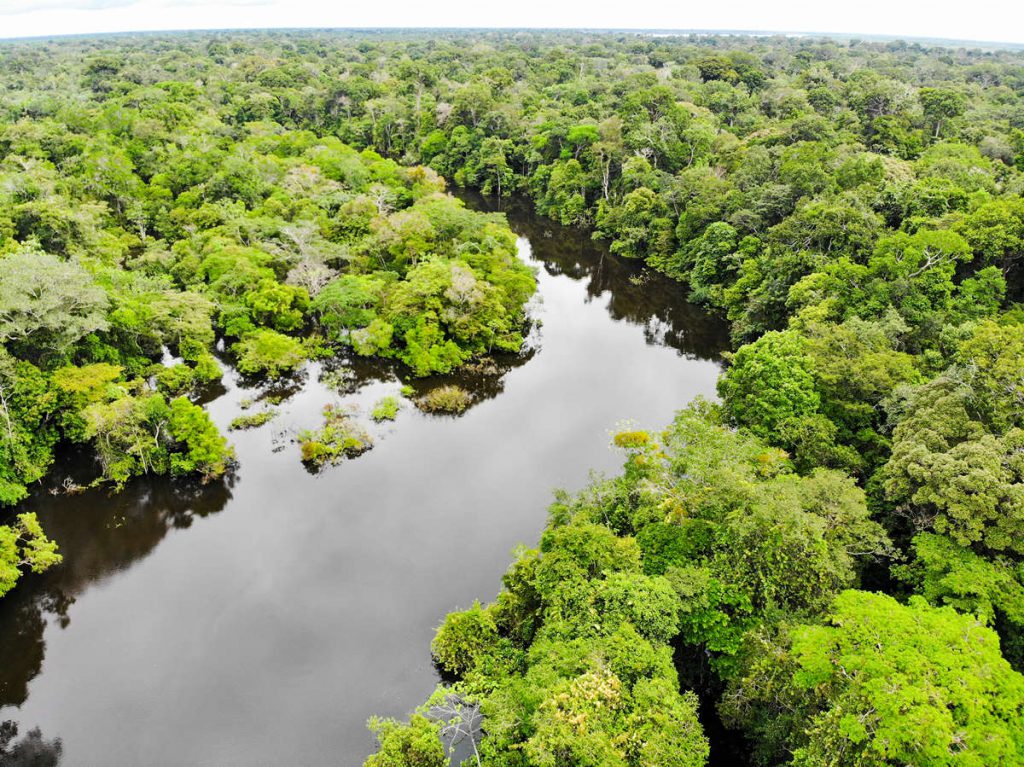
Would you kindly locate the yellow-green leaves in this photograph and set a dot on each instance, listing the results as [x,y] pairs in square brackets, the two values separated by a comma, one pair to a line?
[24,545]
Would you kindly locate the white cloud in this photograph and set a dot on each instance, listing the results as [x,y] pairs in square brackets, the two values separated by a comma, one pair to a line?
[988,20]
[29,6]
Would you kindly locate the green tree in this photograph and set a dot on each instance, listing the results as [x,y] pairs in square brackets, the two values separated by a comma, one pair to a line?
[955,464]
[203,450]
[770,384]
[941,105]
[882,683]
[462,638]
[27,434]
[24,545]
[46,304]
[416,744]
[267,352]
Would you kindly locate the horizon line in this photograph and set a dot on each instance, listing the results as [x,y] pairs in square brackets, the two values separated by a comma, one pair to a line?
[865,36]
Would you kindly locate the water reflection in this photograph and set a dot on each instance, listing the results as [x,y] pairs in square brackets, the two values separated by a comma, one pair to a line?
[636,294]
[483,379]
[99,534]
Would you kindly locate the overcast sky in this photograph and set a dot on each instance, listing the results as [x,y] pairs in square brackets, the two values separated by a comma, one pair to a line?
[990,20]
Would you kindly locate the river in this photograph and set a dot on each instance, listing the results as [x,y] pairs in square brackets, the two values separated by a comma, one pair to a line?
[262,620]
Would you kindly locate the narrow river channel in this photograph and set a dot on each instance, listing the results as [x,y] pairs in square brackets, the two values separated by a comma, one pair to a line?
[262,621]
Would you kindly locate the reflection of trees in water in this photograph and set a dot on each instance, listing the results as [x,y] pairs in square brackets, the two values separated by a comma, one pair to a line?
[24,614]
[484,380]
[99,533]
[637,294]
[31,750]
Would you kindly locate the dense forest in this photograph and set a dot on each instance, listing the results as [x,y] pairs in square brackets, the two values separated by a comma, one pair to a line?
[826,564]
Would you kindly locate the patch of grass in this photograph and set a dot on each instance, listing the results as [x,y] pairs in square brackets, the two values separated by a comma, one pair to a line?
[386,409]
[445,399]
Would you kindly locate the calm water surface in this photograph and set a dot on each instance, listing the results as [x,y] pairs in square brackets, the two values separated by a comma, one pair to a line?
[261,621]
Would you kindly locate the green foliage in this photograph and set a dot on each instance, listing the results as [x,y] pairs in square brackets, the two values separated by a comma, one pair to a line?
[199,448]
[267,352]
[948,574]
[350,302]
[446,286]
[252,420]
[141,434]
[340,437]
[79,387]
[24,545]
[462,638]
[994,230]
[911,276]
[175,380]
[592,721]
[955,466]
[738,536]
[133,429]
[416,744]
[769,385]
[647,603]
[640,227]
[594,683]
[857,365]
[941,104]
[881,683]
[127,432]
[992,358]
[450,398]
[27,436]
[386,409]
[46,304]
[278,306]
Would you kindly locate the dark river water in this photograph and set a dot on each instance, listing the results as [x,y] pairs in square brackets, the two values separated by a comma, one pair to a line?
[262,620]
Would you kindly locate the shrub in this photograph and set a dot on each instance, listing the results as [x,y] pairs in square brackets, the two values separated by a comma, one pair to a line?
[463,638]
[445,399]
[417,743]
[339,438]
[386,409]
[252,420]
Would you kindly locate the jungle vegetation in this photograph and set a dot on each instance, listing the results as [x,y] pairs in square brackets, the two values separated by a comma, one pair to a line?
[830,558]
